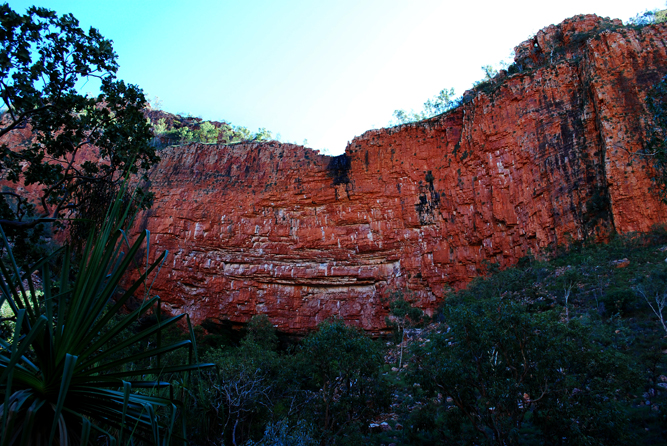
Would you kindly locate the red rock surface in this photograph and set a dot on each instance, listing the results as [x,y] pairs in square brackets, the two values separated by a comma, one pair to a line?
[531,160]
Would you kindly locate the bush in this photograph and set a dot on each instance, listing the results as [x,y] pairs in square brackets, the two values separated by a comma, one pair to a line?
[261,333]
[506,372]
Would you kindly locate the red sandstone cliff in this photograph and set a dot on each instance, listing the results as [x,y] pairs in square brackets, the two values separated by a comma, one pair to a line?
[530,160]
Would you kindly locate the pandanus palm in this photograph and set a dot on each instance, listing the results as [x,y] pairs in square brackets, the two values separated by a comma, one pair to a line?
[69,368]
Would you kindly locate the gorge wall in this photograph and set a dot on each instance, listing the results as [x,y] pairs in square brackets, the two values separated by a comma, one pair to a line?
[531,159]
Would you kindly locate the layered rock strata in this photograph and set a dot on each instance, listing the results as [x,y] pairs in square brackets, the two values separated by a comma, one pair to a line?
[532,159]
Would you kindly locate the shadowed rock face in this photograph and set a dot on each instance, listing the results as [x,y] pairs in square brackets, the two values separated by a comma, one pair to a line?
[530,160]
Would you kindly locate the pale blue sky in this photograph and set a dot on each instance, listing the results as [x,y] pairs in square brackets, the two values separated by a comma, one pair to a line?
[324,71]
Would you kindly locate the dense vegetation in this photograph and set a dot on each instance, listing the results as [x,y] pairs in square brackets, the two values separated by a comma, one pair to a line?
[169,129]
[649,17]
[566,351]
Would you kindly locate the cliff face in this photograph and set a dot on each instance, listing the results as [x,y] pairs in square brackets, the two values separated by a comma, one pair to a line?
[532,159]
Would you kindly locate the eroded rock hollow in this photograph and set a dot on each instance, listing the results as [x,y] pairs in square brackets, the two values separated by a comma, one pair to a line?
[532,159]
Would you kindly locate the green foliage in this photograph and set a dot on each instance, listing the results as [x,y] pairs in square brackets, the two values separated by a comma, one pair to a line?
[403,315]
[6,320]
[160,128]
[265,135]
[251,386]
[185,135]
[324,391]
[437,105]
[506,371]
[207,133]
[340,365]
[440,103]
[582,327]
[243,133]
[68,370]
[28,244]
[653,289]
[243,387]
[261,333]
[402,309]
[489,73]
[527,355]
[186,130]
[43,59]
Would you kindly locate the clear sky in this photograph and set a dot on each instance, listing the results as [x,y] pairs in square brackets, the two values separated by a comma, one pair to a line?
[315,70]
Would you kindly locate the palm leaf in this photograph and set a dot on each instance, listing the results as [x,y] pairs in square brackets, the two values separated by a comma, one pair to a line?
[70,360]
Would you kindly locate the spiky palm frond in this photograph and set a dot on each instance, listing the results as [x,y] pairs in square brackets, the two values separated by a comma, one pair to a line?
[69,367]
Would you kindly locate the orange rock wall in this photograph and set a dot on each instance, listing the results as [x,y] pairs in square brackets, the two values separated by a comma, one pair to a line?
[530,160]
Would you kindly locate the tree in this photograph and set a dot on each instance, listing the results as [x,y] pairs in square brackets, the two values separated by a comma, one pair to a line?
[235,400]
[653,289]
[242,133]
[207,133]
[43,61]
[265,135]
[341,366]
[160,128]
[185,135]
[489,73]
[402,315]
[241,386]
[261,332]
[434,106]
[440,103]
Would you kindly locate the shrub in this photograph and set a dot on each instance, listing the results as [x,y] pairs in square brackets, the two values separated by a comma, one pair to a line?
[207,133]
[261,333]
[504,372]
